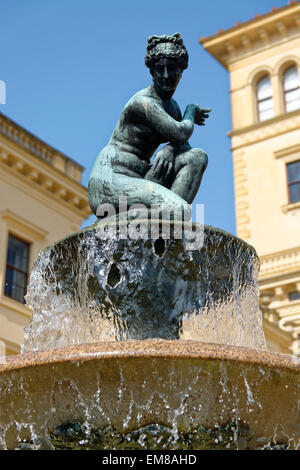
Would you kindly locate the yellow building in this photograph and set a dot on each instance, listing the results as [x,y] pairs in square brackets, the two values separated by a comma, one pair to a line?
[262,57]
[41,200]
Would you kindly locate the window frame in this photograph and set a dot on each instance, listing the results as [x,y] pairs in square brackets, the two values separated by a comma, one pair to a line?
[283,91]
[8,265]
[258,101]
[290,184]
[17,225]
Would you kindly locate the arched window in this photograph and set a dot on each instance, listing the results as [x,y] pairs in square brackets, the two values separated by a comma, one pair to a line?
[291,89]
[264,96]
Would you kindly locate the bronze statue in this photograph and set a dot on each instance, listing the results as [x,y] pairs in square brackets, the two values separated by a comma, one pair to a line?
[150,118]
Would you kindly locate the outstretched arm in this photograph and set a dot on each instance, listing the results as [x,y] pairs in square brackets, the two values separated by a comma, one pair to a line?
[153,114]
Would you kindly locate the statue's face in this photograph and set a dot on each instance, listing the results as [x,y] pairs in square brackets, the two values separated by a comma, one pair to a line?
[166,73]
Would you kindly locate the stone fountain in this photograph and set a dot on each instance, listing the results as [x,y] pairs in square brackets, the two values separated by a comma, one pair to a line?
[146,331]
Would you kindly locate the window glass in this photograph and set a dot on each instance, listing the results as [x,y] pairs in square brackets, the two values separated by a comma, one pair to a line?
[291,88]
[293,175]
[294,295]
[16,268]
[265,105]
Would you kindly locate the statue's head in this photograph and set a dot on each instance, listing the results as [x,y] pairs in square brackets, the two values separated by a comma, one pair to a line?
[166,57]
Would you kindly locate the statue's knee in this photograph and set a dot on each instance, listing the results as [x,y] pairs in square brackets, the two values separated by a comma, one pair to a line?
[199,159]
[203,157]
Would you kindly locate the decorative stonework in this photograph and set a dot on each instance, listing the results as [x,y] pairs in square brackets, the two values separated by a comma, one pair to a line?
[257,35]
[290,310]
[19,224]
[275,332]
[20,167]
[277,309]
[280,263]
[265,130]
[292,150]
[290,207]
[281,318]
[241,195]
[28,142]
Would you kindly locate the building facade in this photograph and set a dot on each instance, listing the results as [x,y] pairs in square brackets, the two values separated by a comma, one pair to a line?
[41,200]
[262,57]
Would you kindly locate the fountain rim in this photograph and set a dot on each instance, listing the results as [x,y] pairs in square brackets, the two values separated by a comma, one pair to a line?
[112,220]
[150,349]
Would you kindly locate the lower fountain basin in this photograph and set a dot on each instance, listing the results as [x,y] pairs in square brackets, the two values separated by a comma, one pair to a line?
[150,394]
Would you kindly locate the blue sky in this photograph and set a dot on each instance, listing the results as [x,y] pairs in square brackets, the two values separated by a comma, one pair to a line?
[71,65]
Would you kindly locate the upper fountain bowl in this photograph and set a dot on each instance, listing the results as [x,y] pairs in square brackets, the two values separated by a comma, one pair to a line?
[140,279]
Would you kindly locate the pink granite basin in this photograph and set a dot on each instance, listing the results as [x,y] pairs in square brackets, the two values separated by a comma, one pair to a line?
[151,394]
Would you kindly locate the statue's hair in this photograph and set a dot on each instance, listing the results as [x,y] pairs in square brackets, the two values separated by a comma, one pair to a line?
[178,52]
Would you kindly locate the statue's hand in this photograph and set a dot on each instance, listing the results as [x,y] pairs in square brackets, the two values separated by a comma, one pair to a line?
[201,114]
[163,162]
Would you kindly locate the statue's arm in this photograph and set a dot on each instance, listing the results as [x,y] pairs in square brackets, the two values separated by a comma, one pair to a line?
[153,114]
[164,160]
[176,114]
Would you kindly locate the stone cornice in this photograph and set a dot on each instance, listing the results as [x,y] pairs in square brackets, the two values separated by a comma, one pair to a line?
[15,221]
[287,151]
[263,130]
[31,144]
[284,262]
[263,124]
[290,207]
[39,180]
[255,35]
[13,157]
[290,309]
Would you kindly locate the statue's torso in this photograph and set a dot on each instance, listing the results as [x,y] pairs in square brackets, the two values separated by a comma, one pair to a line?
[134,140]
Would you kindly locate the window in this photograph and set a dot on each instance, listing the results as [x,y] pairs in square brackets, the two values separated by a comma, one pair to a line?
[291,89]
[265,105]
[293,175]
[294,296]
[16,269]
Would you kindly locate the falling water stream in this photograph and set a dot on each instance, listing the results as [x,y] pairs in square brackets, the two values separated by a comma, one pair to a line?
[86,289]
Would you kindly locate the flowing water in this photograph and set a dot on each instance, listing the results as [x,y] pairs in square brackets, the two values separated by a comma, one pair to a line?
[85,289]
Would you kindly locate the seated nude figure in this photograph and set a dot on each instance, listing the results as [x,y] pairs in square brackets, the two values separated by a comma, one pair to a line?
[149,119]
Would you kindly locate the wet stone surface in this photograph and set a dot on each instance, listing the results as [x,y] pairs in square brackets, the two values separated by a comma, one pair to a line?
[152,437]
[150,394]
[233,436]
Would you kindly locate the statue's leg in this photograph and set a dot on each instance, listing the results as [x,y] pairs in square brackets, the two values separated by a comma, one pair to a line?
[136,190]
[164,180]
[190,164]
[186,175]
